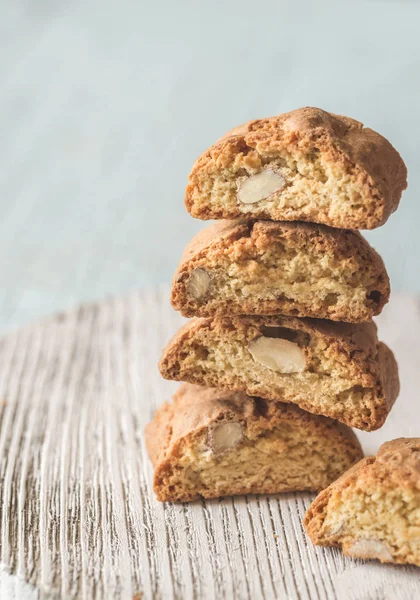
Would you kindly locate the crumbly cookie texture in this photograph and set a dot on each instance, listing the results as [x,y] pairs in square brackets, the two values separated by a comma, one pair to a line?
[268,268]
[305,165]
[335,369]
[210,443]
[373,510]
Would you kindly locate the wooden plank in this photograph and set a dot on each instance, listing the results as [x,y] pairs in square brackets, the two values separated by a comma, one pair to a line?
[78,515]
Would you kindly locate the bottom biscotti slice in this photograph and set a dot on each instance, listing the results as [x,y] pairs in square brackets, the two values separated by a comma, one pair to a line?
[335,369]
[210,443]
[373,510]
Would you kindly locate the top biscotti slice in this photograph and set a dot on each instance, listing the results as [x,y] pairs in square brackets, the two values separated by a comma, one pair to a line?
[269,268]
[373,510]
[213,443]
[305,165]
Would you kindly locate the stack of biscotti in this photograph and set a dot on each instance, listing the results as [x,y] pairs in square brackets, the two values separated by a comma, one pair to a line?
[282,356]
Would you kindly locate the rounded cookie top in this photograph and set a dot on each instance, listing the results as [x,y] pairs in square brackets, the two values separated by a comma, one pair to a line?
[397,464]
[363,146]
[340,242]
[363,154]
[401,459]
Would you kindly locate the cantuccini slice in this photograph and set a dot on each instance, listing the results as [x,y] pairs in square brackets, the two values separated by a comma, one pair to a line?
[336,369]
[210,443]
[305,165]
[267,268]
[373,510]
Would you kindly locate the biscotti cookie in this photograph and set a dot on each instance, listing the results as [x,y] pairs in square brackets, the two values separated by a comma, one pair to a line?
[209,443]
[373,510]
[305,165]
[335,369]
[268,268]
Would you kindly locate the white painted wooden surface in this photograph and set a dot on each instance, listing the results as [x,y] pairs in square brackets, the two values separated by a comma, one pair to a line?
[78,515]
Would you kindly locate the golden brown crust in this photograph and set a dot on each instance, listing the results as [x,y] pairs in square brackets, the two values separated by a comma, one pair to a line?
[374,165]
[196,409]
[245,244]
[399,461]
[356,346]
[396,464]
[396,468]
[388,375]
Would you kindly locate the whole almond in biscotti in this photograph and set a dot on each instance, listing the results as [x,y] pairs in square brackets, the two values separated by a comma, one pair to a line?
[305,165]
[335,369]
[210,443]
[278,354]
[373,510]
[268,268]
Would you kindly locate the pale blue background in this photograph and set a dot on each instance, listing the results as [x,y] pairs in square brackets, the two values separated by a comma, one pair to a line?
[105,105]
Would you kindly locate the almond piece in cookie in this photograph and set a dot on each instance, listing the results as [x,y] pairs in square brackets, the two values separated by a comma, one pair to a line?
[277,354]
[339,370]
[198,284]
[267,268]
[373,510]
[305,165]
[260,186]
[210,443]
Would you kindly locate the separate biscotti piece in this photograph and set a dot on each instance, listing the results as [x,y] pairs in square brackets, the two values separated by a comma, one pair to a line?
[210,443]
[266,268]
[305,165]
[335,369]
[373,510]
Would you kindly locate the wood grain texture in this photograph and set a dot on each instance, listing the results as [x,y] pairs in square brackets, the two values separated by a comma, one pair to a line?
[78,518]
